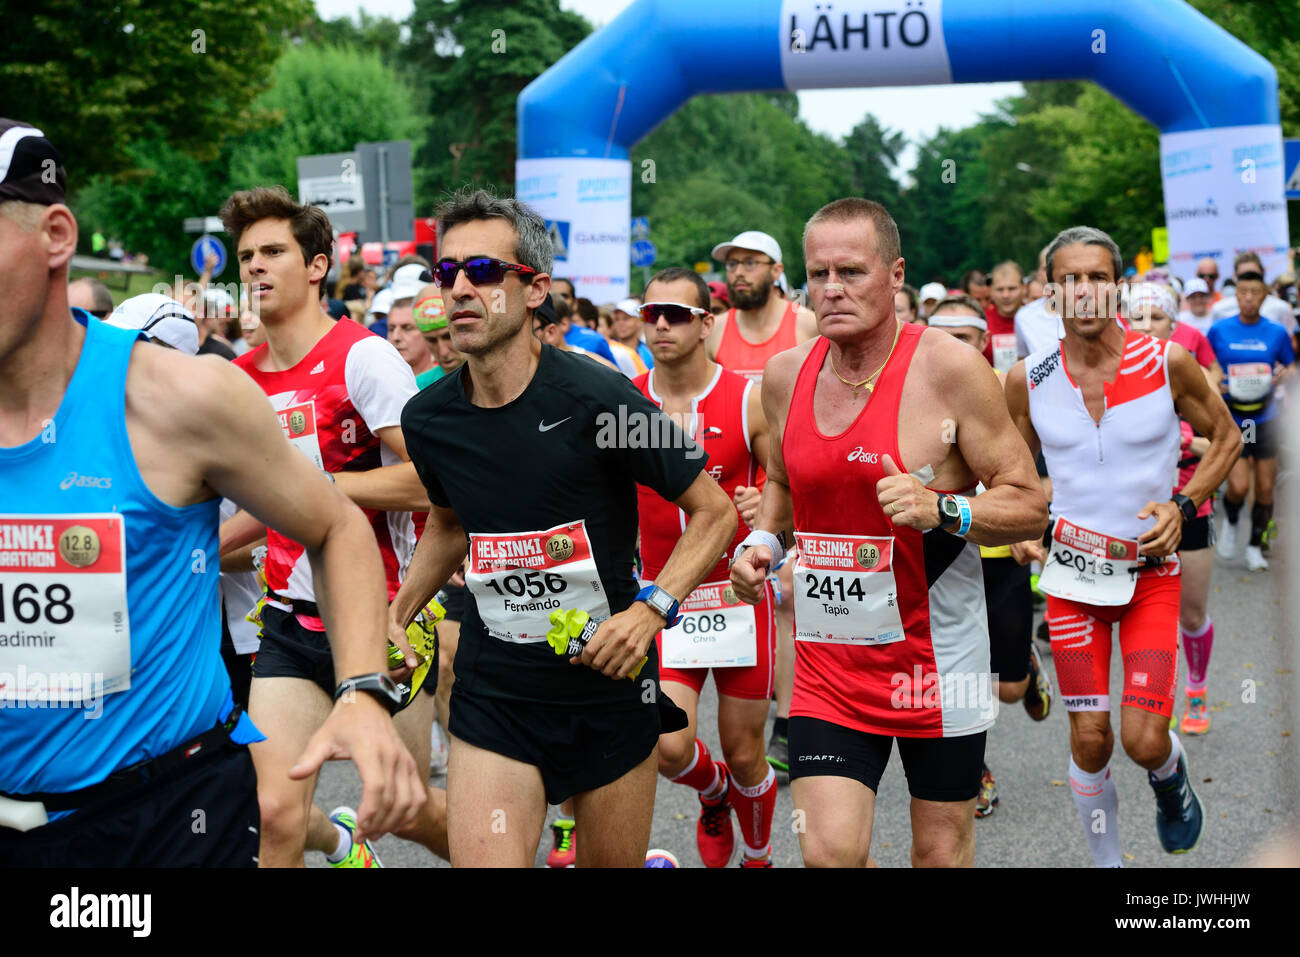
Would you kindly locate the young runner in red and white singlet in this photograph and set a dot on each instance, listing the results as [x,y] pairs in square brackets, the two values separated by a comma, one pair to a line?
[1103,404]
[717,631]
[330,406]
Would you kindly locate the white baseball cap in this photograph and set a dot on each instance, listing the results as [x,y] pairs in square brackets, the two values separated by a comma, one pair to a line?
[409,280]
[382,303]
[932,290]
[631,306]
[750,239]
[1194,285]
[159,317]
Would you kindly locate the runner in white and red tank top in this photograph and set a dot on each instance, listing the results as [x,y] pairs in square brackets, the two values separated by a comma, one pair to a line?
[723,413]
[889,601]
[339,391]
[1103,404]
[759,325]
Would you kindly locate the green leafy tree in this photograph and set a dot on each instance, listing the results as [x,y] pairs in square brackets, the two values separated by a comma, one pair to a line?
[324,100]
[472,60]
[98,77]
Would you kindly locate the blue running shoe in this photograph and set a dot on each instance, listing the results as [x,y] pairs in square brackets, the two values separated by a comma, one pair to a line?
[1180,817]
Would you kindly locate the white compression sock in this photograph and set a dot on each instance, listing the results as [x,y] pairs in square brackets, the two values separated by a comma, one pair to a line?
[1166,770]
[1097,801]
[345,845]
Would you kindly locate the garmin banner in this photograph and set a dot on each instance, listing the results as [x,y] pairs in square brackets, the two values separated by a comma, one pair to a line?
[589,201]
[1224,195]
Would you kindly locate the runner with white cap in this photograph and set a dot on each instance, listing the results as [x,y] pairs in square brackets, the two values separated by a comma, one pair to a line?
[930,295]
[756,327]
[161,318]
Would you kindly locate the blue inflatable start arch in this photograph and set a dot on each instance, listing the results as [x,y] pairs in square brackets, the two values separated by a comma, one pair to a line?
[1212,97]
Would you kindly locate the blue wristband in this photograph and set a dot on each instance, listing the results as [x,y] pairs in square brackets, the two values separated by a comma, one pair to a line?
[964,525]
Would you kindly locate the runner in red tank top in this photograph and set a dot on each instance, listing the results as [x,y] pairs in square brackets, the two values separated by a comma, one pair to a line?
[892,641]
[759,325]
[723,413]
[339,391]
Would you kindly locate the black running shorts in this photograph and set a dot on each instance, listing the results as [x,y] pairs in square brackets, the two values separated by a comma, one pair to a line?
[937,769]
[202,813]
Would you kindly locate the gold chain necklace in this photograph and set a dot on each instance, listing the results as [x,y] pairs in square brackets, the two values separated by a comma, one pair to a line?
[871,386]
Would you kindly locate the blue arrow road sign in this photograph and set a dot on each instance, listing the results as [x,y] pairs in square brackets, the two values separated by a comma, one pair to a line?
[203,247]
[640,227]
[643,253]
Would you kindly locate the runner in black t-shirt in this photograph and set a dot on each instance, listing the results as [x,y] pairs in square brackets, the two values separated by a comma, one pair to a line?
[535,454]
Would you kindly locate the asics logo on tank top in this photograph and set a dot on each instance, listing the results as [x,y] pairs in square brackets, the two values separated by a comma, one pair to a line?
[318,368]
[73,480]
[866,458]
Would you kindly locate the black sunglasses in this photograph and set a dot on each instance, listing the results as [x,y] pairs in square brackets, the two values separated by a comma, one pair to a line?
[480,271]
[674,312]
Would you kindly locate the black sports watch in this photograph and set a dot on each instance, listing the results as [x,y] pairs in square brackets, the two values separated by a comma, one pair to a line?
[1185,505]
[379,685]
[949,512]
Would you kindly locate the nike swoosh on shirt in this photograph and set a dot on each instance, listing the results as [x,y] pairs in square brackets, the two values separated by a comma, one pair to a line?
[543,427]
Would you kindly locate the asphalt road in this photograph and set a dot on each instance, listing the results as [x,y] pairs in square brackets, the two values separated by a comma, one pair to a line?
[1237,768]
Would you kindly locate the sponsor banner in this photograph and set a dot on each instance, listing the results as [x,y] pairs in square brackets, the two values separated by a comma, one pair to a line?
[862,43]
[1223,196]
[588,204]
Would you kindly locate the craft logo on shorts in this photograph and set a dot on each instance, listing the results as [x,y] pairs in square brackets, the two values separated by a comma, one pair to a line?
[1117,549]
[297,422]
[729,595]
[559,547]
[79,546]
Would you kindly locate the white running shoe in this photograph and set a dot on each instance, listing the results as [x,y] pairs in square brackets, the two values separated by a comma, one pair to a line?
[1228,541]
[1255,560]
[437,750]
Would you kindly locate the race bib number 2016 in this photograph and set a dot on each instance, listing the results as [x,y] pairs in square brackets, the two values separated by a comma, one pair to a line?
[1090,567]
[519,578]
[64,621]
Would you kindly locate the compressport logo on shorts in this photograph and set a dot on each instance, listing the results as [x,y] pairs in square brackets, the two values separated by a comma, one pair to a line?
[634,429]
[953,691]
[73,480]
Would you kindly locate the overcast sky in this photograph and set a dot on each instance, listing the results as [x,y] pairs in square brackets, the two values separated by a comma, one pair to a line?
[917,111]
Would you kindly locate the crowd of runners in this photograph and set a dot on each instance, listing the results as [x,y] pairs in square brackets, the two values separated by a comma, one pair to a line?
[509,539]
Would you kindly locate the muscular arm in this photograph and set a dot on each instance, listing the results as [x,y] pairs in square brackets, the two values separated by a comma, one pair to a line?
[776,509]
[394,488]
[760,435]
[710,525]
[1013,508]
[439,553]
[1206,412]
[1016,391]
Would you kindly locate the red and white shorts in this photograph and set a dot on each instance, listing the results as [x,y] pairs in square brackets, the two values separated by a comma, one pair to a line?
[1148,640]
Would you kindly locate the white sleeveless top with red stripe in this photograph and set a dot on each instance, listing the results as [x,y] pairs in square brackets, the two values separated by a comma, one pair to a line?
[1103,474]
[331,405]
[927,675]
[720,425]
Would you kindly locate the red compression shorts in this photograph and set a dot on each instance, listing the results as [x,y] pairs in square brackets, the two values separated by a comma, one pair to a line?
[1148,640]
